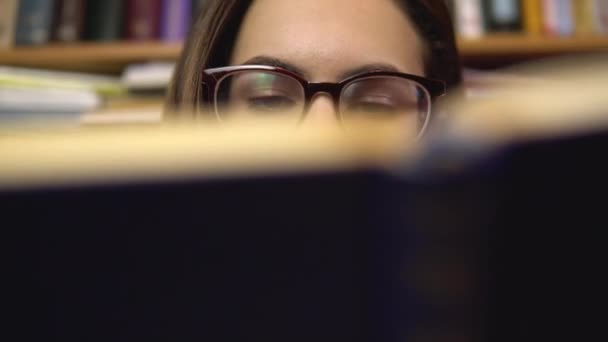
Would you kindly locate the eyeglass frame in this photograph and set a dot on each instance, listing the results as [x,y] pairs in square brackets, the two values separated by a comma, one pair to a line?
[214,76]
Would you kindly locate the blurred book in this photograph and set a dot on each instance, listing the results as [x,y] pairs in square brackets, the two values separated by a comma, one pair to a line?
[551,18]
[585,16]
[176,16]
[559,17]
[30,95]
[8,22]
[45,104]
[602,12]
[502,15]
[532,13]
[143,19]
[68,22]
[104,20]
[34,22]
[207,231]
[37,78]
[148,77]
[469,18]
[484,83]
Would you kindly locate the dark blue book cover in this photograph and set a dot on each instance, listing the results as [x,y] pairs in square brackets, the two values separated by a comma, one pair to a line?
[504,246]
[34,22]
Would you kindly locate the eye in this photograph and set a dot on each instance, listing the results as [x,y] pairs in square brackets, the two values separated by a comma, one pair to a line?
[270,103]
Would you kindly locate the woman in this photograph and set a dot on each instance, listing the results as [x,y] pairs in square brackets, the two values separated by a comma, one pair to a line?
[317,60]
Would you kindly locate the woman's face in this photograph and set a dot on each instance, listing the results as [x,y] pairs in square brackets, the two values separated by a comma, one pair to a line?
[329,40]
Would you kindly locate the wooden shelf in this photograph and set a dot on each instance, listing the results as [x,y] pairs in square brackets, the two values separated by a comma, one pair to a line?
[503,49]
[106,57]
[113,57]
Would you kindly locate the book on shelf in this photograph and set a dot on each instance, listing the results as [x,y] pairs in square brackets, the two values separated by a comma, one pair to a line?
[104,20]
[602,15]
[8,22]
[469,18]
[68,22]
[502,15]
[143,19]
[175,19]
[207,232]
[559,17]
[551,18]
[585,17]
[532,12]
[34,22]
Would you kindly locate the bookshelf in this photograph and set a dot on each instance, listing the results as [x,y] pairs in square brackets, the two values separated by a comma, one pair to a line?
[499,50]
[90,57]
[496,50]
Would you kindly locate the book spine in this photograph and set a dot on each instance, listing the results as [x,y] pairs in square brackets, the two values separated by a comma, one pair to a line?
[502,15]
[143,19]
[34,22]
[601,10]
[69,20]
[175,19]
[469,18]
[8,22]
[585,17]
[550,17]
[104,20]
[565,17]
[532,17]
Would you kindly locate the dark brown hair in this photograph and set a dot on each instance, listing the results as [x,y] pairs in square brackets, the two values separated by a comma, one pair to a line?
[215,30]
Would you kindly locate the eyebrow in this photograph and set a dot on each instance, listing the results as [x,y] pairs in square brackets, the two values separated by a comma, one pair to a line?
[369,68]
[276,62]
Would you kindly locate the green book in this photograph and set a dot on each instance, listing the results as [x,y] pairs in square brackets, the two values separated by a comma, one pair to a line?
[104,20]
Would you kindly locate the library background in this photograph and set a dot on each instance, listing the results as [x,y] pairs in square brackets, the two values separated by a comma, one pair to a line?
[107,61]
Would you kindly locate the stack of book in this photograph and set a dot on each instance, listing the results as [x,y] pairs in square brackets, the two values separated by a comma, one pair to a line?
[29,95]
[146,84]
[36,22]
[553,18]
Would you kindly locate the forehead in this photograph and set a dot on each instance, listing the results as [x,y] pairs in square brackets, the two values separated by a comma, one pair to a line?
[326,38]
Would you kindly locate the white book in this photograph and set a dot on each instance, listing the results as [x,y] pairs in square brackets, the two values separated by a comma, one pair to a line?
[41,100]
[469,18]
[148,76]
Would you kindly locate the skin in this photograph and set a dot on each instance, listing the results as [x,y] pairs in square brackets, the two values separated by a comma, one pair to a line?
[328,40]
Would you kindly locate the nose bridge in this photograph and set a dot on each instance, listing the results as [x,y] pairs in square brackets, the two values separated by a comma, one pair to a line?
[315,89]
[321,104]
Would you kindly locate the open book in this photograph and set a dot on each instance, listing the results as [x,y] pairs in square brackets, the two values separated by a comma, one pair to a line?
[488,230]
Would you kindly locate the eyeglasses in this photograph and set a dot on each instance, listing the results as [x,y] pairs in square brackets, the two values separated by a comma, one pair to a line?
[262,91]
